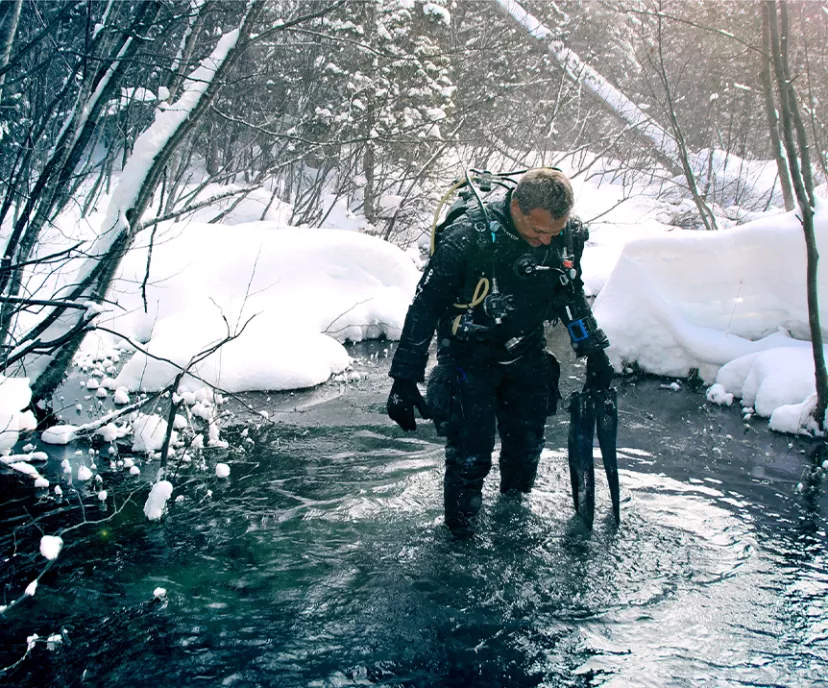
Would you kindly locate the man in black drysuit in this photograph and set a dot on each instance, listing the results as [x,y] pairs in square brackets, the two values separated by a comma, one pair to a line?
[492,283]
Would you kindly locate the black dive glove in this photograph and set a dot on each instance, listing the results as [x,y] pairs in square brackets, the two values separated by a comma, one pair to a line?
[404,396]
[599,371]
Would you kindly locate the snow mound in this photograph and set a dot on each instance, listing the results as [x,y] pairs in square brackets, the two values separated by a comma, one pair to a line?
[717,394]
[84,474]
[59,434]
[726,303]
[266,357]
[778,383]
[112,432]
[707,298]
[795,418]
[307,290]
[769,379]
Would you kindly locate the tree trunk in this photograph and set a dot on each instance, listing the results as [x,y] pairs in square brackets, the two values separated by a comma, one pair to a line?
[799,125]
[369,201]
[369,192]
[804,196]
[773,118]
[8,40]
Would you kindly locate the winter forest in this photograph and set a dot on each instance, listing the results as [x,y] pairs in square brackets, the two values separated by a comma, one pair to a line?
[205,205]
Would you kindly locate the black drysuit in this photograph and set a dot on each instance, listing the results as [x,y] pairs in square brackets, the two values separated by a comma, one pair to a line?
[494,374]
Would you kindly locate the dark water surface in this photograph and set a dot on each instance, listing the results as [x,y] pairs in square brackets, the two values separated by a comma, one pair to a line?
[322,562]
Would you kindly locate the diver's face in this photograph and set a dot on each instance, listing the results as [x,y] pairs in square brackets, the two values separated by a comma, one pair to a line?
[537,227]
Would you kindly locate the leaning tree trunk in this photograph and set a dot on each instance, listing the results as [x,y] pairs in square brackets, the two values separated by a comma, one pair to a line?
[641,125]
[8,41]
[130,198]
[48,195]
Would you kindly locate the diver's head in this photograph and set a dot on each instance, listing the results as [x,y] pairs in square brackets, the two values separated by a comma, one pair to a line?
[541,204]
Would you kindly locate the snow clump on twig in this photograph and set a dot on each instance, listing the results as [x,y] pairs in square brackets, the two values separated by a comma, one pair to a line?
[157,500]
[50,546]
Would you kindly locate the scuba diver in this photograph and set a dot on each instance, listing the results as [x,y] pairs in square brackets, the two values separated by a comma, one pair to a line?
[499,271]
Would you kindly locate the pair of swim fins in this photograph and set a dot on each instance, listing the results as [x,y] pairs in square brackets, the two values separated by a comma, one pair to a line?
[593,412]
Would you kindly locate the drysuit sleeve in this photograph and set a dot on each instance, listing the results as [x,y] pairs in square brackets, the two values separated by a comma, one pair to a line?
[572,307]
[438,289]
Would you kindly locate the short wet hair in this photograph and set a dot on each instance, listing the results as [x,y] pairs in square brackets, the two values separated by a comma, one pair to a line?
[547,189]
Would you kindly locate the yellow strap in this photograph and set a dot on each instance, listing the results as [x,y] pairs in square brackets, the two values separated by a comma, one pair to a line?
[480,292]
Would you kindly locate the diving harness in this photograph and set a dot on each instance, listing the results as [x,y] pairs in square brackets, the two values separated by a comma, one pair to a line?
[584,333]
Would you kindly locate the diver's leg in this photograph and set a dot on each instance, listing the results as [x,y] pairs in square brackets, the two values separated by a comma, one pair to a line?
[469,443]
[521,416]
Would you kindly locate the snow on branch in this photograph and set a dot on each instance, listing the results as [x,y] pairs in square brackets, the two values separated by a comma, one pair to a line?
[662,142]
[129,200]
[151,142]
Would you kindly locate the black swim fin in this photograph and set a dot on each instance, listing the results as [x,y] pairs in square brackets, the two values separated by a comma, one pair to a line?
[581,466]
[606,427]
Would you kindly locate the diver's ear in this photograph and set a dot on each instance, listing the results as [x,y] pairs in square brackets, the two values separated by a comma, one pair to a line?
[514,209]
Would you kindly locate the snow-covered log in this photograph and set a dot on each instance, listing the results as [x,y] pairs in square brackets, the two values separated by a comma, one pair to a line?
[48,190]
[641,125]
[129,200]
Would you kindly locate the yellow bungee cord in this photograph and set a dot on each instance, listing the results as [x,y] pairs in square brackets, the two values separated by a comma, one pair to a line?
[482,288]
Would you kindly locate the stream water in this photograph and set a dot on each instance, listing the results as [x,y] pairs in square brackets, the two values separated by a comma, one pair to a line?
[322,561]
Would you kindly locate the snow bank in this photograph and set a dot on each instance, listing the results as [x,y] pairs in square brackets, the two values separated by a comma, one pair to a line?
[15,395]
[698,300]
[725,303]
[731,180]
[26,469]
[309,290]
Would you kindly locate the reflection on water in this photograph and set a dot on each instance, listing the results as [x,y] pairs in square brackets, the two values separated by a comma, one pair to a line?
[322,562]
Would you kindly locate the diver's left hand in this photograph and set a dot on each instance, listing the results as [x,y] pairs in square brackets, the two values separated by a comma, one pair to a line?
[599,372]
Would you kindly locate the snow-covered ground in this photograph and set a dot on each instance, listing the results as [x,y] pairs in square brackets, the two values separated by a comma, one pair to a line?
[731,304]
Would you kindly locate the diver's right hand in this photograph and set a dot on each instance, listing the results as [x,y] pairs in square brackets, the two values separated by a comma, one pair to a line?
[404,396]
